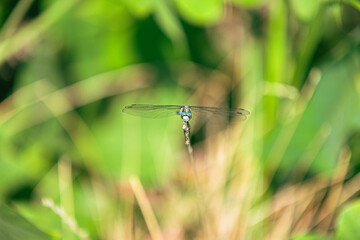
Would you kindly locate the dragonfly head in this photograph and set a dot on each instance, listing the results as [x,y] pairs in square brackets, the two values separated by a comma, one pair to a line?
[185,113]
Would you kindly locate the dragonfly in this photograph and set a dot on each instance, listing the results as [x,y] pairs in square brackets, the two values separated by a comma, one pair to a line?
[185,112]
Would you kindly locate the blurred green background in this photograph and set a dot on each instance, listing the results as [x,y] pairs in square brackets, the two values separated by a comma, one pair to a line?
[73,166]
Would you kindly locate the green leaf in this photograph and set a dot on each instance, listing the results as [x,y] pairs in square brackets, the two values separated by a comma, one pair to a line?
[354,3]
[348,225]
[248,3]
[14,227]
[306,9]
[201,12]
[169,23]
[310,237]
[140,8]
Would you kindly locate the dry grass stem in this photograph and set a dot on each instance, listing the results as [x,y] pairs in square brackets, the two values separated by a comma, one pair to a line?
[146,209]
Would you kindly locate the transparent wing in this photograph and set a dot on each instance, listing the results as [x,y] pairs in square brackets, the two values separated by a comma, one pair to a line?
[238,113]
[162,111]
[152,111]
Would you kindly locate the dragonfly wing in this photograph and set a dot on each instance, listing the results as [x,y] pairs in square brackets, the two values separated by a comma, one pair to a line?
[152,111]
[147,106]
[237,113]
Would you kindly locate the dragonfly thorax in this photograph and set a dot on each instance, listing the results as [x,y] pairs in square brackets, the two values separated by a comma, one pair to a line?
[185,113]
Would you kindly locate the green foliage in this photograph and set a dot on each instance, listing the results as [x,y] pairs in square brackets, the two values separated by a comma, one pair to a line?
[348,226]
[15,227]
[201,12]
[67,68]
[248,3]
[310,237]
[307,10]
